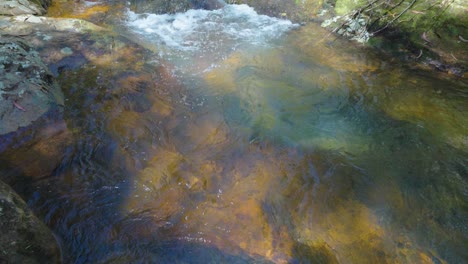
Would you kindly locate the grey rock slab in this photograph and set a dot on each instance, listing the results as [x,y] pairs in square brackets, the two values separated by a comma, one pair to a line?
[28,89]
[21,7]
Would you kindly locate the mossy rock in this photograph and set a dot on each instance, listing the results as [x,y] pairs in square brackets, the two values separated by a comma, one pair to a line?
[316,253]
[343,7]
[433,31]
[437,28]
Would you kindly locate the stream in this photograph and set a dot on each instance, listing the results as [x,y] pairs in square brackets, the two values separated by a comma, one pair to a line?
[236,137]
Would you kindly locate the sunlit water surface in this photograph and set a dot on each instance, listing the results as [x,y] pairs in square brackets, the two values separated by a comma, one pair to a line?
[242,138]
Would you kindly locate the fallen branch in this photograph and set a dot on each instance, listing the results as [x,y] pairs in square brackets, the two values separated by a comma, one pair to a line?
[462,39]
[420,54]
[394,19]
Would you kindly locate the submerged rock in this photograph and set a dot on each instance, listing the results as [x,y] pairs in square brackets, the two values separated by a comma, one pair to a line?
[27,88]
[24,238]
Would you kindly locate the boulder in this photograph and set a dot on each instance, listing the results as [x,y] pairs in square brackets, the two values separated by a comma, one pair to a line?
[25,239]
[160,6]
[207,4]
[174,6]
[27,87]
[21,7]
[298,11]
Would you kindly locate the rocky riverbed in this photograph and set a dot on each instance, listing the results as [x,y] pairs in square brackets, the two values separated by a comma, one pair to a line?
[35,50]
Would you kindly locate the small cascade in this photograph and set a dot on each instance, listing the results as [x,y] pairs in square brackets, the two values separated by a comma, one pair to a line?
[200,32]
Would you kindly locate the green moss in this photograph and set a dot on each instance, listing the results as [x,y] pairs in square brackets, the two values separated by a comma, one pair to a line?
[345,6]
[319,252]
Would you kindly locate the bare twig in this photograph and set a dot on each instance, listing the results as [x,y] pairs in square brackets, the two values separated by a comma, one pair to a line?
[425,38]
[420,54]
[394,19]
[453,56]
[386,12]
[462,39]
[355,14]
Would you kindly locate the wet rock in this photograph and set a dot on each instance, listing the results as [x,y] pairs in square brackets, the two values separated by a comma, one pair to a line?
[424,32]
[27,88]
[21,7]
[443,67]
[227,215]
[299,11]
[24,239]
[208,4]
[43,25]
[253,80]
[338,54]
[38,150]
[317,253]
[431,110]
[170,7]
[95,13]
[160,6]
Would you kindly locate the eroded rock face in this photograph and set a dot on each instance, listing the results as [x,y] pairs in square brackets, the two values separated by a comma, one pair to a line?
[25,239]
[21,7]
[27,88]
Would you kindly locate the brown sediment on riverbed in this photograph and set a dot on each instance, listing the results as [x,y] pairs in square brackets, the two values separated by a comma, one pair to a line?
[313,150]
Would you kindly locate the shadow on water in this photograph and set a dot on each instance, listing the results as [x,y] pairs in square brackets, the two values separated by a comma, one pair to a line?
[113,122]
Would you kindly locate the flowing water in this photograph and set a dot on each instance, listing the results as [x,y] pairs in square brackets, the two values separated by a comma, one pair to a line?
[241,138]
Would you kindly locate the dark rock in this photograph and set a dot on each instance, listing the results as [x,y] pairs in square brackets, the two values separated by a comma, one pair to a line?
[27,87]
[72,62]
[25,239]
[297,11]
[35,152]
[207,4]
[160,6]
[174,6]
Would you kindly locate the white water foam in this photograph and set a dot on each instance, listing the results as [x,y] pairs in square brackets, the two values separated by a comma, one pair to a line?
[209,31]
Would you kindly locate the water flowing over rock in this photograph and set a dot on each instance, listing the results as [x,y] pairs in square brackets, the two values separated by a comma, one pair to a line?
[21,7]
[228,136]
[27,88]
[24,238]
[295,10]
[174,6]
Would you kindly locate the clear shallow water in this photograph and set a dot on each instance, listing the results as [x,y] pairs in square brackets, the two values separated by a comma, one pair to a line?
[284,148]
[197,40]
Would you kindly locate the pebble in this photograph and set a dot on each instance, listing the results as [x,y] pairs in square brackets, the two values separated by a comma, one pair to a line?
[66,51]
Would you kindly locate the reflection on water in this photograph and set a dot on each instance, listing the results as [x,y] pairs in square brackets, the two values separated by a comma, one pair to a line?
[305,151]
